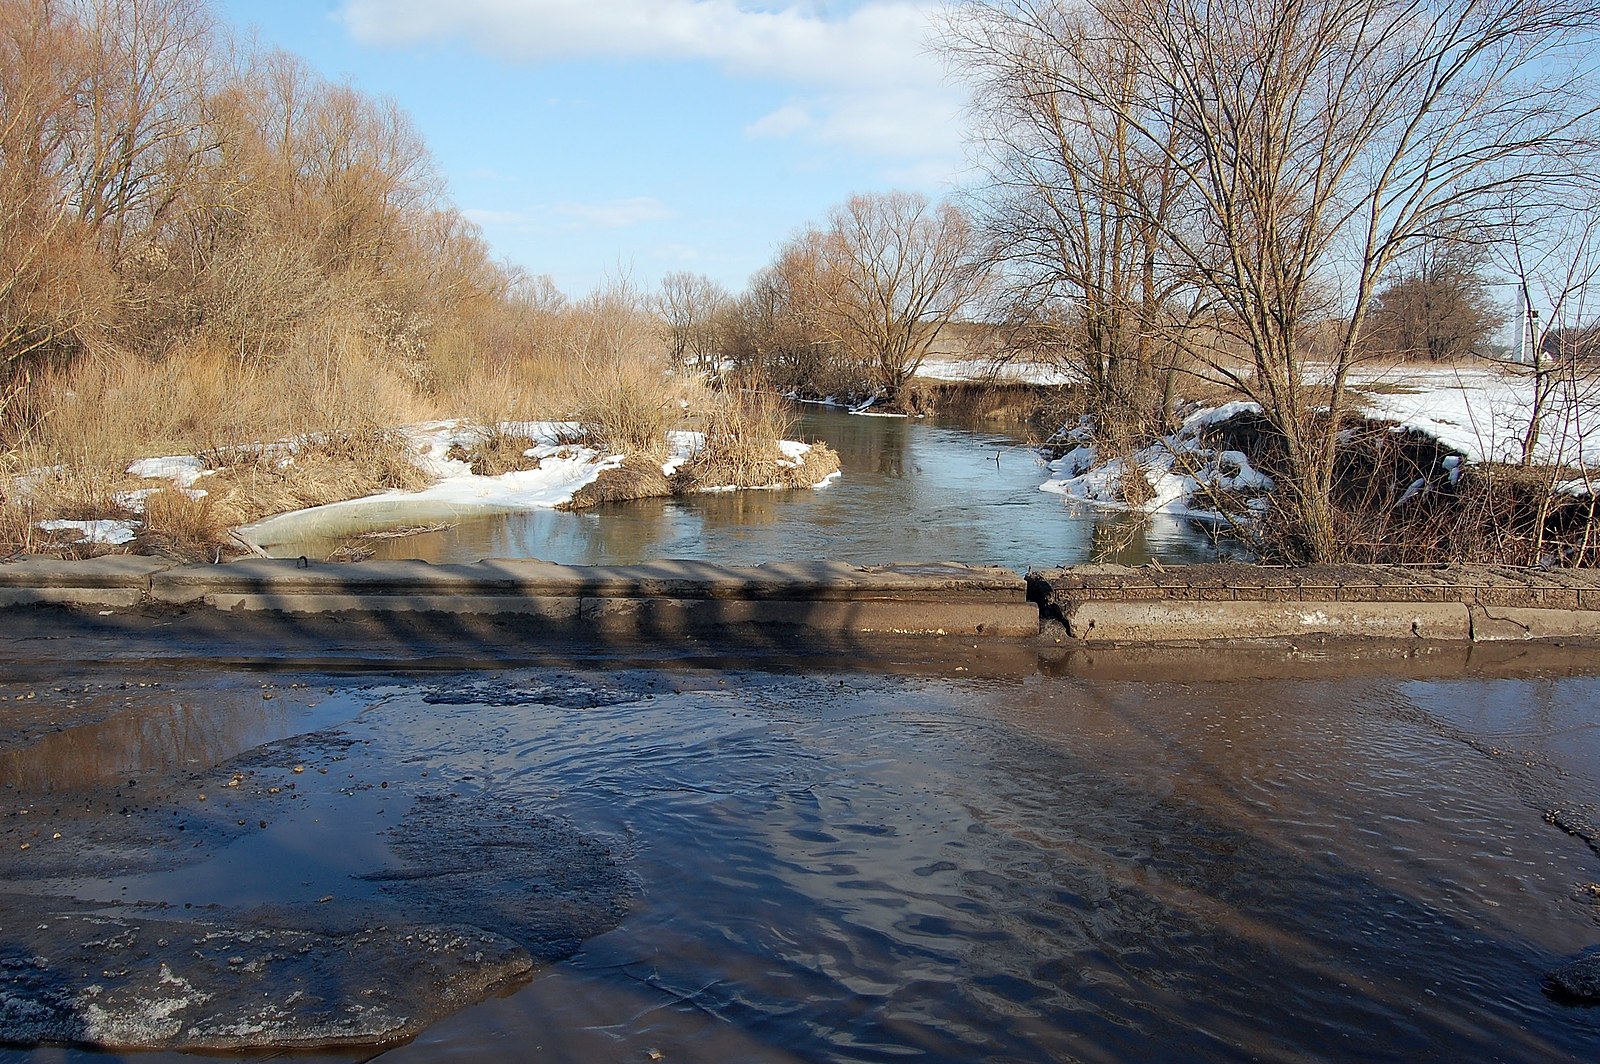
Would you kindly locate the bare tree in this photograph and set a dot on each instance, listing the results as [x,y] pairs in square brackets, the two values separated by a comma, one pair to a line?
[141,123]
[1436,306]
[51,287]
[690,306]
[884,278]
[1065,212]
[1552,252]
[1315,142]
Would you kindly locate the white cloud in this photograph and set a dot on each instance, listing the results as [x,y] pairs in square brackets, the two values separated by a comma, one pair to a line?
[871,81]
[880,42]
[786,121]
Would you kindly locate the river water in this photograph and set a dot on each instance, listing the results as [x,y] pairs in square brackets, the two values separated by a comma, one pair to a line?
[912,490]
[944,859]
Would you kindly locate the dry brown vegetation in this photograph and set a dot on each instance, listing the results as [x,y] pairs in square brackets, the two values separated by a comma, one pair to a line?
[206,247]
[738,448]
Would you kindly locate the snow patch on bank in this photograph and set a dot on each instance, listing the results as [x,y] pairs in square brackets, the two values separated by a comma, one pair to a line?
[1182,473]
[563,468]
[1481,411]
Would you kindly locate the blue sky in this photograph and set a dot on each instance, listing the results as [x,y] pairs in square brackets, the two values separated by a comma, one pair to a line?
[595,138]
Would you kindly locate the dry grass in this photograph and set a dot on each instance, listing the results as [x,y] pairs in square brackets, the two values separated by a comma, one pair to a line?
[177,525]
[628,409]
[254,483]
[742,429]
[633,480]
[496,450]
[331,384]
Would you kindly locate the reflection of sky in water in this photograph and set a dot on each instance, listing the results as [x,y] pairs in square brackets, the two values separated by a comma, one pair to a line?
[911,491]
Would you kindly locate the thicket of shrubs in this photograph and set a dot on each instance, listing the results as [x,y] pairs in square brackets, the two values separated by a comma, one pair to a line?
[205,246]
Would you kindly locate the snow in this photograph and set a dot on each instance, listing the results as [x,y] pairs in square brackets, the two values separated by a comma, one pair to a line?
[182,470]
[563,469]
[1481,411]
[111,533]
[944,368]
[1179,469]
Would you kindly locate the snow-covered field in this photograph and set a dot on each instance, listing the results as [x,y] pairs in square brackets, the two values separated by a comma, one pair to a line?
[1483,412]
[949,368]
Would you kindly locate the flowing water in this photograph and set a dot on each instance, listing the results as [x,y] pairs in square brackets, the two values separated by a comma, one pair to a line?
[912,490]
[1164,862]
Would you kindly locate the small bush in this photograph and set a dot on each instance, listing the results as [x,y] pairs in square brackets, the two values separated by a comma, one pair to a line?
[495,451]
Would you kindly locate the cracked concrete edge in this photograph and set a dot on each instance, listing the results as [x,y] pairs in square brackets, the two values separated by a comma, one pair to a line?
[1099,604]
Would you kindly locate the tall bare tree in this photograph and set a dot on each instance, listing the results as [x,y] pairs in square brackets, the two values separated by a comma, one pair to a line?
[1316,141]
[886,276]
[51,287]
[1066,210]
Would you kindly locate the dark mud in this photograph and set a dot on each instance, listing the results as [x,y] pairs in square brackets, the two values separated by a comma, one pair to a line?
[116,982]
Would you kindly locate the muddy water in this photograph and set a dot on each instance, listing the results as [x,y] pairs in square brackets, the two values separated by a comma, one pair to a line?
[853,865]
[912,490]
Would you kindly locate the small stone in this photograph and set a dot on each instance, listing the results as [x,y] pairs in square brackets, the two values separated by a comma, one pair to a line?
[298,769]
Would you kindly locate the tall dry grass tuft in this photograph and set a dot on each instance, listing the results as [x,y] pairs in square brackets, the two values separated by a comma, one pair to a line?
[496,449]
[740,449]
[622,393]
[628,408]
[178,525]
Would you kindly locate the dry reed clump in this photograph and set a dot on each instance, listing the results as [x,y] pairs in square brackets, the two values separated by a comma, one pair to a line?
[741,430]
[740,448]
[634,479]
[62,493]
[177,524]
[496,450]
[628,409]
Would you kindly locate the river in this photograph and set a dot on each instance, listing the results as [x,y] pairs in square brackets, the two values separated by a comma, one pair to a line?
[1171,857]
[912,490]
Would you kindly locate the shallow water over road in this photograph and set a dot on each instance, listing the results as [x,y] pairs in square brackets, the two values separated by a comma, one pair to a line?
[855,865]
[912,490]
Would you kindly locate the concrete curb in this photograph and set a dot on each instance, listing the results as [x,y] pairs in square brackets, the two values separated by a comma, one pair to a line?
[1223,602]
[654,599]
[1096,604]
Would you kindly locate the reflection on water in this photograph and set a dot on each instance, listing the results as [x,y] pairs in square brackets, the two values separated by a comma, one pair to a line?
[132,731]
[912,491]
